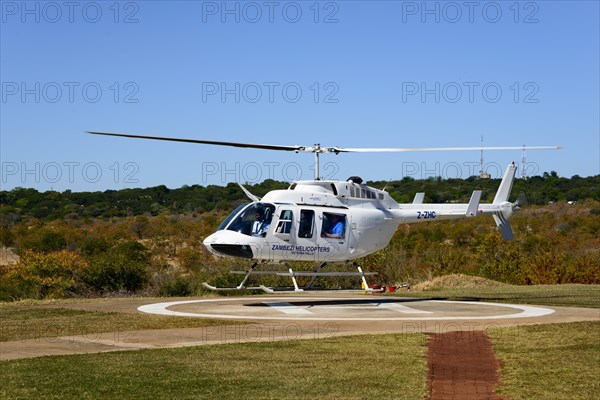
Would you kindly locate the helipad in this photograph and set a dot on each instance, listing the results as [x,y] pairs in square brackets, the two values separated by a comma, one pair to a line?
[343,309]
[287,317]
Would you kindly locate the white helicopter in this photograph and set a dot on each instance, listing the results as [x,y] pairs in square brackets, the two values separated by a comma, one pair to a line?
[327,221]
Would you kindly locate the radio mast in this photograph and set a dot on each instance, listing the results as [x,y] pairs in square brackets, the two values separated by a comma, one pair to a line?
[482,173]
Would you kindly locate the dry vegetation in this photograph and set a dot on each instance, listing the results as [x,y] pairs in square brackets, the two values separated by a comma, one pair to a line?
[164,255]
[456,281]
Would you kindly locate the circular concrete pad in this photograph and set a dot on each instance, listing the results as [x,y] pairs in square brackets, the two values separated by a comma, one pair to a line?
[343,309]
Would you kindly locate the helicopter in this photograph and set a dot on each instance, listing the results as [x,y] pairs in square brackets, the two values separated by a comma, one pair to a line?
[331,221]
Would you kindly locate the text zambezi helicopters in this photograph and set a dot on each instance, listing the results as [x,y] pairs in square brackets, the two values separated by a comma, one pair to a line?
[326,221]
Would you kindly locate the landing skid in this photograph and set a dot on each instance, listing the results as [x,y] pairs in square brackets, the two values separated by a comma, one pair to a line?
[218,289]
[296,288]
[276,290]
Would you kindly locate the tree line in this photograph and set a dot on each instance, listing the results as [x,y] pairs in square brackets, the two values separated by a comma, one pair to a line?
[149,241]
[196,199]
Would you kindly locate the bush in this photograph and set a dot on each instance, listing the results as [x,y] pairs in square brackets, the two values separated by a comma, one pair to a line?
[178,286]
[133,251]
[43,276]
[44,242]
[7,238]
[94,246]
[114,271]
[584,269]
[190,259]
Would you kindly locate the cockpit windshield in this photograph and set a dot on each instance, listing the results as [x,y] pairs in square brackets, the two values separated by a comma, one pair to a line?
[227,220]
[253,220]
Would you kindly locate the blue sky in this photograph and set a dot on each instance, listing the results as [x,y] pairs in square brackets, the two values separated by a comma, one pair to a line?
[346,73]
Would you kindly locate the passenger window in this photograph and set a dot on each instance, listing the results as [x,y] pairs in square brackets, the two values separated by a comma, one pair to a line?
[285,222]
[334,226]
[307,223]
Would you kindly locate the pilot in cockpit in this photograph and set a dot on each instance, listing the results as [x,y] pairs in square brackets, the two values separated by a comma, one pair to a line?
[261,224]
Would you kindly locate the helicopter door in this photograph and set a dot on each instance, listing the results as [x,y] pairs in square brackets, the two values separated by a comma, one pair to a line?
[284,227]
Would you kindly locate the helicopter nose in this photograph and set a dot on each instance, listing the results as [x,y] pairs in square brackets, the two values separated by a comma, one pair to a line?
[221,244]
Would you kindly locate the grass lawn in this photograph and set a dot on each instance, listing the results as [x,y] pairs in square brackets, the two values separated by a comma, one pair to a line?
[359,367]
[34,320]
[558,361]
[544,295]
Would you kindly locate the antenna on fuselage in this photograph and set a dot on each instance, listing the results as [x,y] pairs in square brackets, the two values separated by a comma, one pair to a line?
[386,185]
[317,152]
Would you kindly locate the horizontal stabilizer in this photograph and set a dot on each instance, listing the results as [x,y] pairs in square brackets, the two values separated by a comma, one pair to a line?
[419,197]
[473,203]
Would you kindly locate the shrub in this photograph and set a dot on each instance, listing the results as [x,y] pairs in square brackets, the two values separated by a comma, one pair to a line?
[190,259]
[43,276]
[44,242]
[94,246]
[133,251]
[177,286]
[7,238]
[114,271]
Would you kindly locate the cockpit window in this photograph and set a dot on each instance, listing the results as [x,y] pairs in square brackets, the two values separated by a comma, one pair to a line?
[227,220]
[254,220]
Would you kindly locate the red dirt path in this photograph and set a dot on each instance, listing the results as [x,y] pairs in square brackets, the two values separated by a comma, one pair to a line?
[462,366]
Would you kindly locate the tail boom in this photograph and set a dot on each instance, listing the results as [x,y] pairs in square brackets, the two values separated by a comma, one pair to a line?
[500,209]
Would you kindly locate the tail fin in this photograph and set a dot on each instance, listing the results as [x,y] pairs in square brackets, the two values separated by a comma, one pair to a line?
[506,184]
[504,207]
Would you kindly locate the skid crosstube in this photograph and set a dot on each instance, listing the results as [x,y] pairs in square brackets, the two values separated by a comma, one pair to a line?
[296,288]
[290,289]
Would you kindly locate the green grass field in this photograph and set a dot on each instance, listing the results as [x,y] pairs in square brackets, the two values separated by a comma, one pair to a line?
[35,319]
[557,361]
[572,295]
[560,361]
[359,367]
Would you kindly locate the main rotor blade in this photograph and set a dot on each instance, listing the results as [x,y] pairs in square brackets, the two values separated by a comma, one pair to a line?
[323,149]
[218,143]
[401,149]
